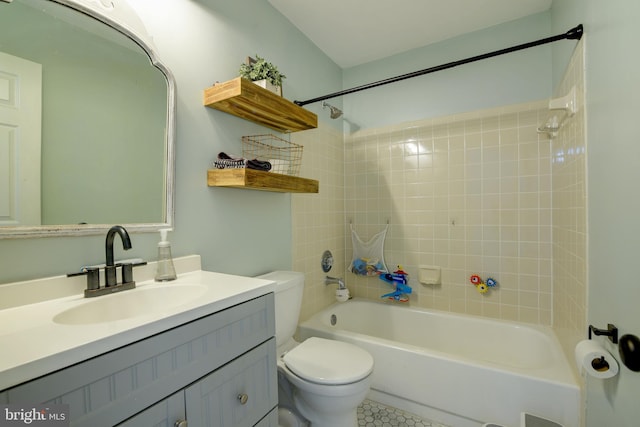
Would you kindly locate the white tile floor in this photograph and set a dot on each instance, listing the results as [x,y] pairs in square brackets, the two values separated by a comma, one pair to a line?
[374,414]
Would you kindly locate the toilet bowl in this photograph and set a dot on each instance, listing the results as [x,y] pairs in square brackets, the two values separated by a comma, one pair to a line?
[323,380]
[288,418]
[329,378]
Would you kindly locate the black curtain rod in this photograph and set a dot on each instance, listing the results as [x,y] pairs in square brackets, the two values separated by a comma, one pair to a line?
[573,34]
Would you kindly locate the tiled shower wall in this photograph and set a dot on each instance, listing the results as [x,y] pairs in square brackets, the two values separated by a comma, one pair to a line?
[476,193]
[318,219]
[568,167]
[471,194]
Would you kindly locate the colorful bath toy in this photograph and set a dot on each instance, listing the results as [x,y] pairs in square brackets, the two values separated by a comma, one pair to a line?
[359,266]
[394,278]
[481,285]
[396,296]
[367,267]
[399,279]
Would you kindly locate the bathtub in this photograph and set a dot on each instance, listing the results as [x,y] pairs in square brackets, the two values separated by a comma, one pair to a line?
[457,369]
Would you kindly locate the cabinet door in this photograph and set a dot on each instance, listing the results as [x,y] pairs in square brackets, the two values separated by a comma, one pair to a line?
[165,413]
[271,420]
[237,395]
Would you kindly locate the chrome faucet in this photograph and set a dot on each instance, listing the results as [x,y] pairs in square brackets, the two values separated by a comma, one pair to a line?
[329,280]
[110,269]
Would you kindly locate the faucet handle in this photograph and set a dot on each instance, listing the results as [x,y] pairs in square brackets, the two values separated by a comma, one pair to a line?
[127,270]
[127,273]
[93,278]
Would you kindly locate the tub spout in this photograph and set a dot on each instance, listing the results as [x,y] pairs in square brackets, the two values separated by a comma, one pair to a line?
[329,280]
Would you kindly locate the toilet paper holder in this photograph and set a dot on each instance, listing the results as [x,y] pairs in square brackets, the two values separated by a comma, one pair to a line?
[611,332]
[628,346]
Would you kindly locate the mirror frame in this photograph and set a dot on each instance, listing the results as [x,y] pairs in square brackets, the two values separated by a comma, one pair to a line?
[119,16]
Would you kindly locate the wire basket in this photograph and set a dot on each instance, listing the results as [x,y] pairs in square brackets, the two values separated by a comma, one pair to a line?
[285,156]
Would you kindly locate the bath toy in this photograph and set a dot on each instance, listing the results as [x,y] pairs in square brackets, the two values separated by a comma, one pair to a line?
[367,267]
[359,266]
[396,296]
[398,279]
[481,285]
[394,278]
[400,271]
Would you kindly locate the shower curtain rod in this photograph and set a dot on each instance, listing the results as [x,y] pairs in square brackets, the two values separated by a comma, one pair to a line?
[573,34]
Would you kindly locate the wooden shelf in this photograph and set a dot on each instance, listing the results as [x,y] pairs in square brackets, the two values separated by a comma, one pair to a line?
[249,101]
[258,180]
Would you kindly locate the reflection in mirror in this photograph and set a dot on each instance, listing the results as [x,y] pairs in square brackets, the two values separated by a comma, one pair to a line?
[86,123]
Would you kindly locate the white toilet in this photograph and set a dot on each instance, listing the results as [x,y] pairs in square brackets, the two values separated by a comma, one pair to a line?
[326,380]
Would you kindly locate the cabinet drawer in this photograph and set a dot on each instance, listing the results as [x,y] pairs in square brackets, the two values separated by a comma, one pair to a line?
[164,413]
[114,386]
[219,398]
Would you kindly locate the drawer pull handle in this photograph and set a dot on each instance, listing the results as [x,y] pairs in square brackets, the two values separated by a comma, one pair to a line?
[180,423]
[243,398]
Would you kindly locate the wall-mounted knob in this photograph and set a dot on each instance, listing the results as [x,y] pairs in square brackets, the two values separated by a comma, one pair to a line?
[327,261]
[180,423]
[629,348]
[243,398]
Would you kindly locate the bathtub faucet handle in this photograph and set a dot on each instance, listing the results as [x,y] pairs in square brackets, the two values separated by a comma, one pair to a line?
[330,280]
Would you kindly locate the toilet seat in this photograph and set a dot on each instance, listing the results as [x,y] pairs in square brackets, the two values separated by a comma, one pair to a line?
[329,362]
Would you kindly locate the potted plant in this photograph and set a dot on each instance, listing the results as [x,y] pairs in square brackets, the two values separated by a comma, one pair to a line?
[262,73]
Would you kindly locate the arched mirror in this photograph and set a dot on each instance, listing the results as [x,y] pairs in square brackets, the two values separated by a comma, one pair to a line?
[87,120]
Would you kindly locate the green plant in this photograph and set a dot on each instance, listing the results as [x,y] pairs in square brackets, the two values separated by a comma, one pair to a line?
[259,69]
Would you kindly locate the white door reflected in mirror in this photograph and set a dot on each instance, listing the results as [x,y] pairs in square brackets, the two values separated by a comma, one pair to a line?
[20,140]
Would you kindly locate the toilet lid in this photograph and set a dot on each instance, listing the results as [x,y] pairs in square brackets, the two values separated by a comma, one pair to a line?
[325,361]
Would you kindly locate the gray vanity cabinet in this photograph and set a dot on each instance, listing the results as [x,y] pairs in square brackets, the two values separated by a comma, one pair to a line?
[219,370]
[236,395]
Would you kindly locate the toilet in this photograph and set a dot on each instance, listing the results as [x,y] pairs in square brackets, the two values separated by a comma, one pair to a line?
[322,380]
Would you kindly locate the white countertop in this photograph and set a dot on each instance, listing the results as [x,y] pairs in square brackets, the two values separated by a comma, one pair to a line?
[33,344]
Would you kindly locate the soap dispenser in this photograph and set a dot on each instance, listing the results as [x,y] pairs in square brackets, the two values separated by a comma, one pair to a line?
[165,270]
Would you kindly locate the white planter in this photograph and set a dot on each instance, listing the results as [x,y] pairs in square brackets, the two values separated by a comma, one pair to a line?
[268,86]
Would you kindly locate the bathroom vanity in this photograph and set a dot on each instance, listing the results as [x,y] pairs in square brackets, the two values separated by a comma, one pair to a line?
[205,359]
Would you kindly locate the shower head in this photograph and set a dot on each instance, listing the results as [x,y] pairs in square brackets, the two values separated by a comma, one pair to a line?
[335,112]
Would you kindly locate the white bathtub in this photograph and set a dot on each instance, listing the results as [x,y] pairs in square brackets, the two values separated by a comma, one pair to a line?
[456,369]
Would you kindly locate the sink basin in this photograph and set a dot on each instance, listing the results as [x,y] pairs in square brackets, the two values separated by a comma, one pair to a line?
[128,304]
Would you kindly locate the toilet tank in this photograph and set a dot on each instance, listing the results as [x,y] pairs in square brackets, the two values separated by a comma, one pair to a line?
[288,300]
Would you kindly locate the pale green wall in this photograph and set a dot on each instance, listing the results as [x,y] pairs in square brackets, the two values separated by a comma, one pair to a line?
[613,152]
[504,80]
[235,231]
